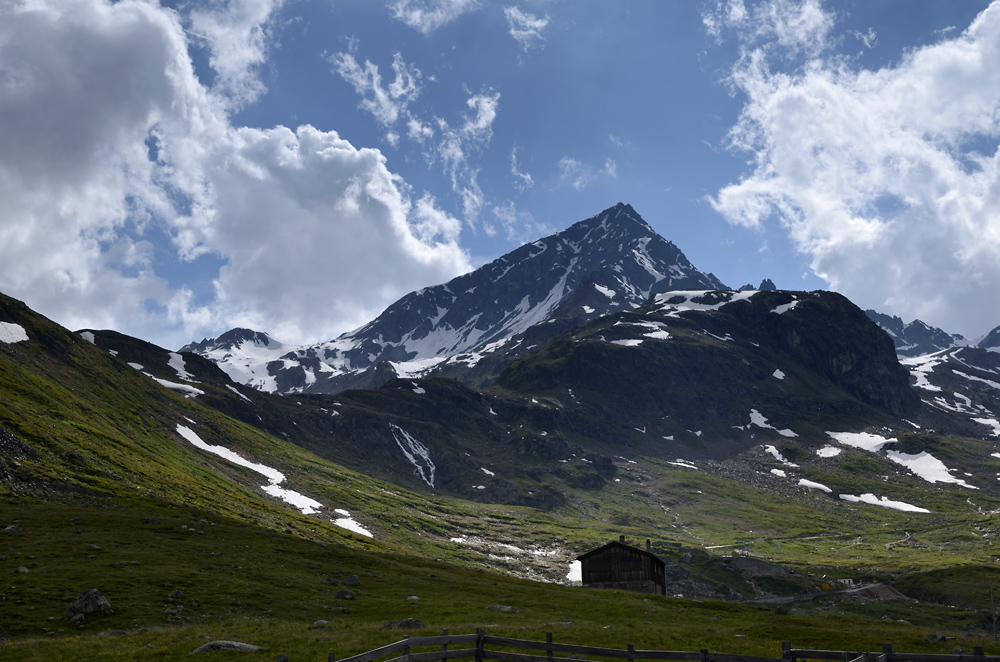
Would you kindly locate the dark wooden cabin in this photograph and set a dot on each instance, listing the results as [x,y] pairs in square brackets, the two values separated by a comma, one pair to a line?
[621,566]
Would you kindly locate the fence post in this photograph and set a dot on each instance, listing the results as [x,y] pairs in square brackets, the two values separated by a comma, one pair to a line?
[704,655]
[631,653]
[548,649]
[281,658]
[786,651]
[330,657]
[444,646]
[480,642]
[406,649]
[887,651]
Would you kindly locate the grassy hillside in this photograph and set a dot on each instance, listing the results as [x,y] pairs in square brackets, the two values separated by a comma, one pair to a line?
[245,583]
[98,490]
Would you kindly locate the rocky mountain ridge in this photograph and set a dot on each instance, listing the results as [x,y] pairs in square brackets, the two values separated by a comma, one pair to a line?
[918,338]
[617,258]
[708,376]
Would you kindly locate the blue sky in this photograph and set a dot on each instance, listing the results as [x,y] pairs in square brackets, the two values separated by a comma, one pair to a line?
[174,170]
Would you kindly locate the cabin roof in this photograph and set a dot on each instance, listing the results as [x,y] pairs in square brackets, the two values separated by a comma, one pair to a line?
[616,543]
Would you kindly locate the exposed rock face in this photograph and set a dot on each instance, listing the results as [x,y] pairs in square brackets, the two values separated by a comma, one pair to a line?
[13,447]
[836,339]
[707,359]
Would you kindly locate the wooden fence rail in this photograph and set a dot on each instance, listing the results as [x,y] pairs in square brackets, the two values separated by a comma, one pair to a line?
[790,654]
[475,647]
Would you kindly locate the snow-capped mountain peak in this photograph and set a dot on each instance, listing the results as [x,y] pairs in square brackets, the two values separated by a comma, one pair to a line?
[618,256]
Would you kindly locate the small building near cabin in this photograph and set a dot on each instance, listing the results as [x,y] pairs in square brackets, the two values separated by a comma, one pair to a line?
[620,566]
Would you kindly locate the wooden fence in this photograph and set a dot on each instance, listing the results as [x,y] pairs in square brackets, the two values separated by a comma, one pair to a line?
[481,646]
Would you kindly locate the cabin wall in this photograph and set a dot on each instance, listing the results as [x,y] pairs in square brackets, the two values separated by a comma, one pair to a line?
[622,568]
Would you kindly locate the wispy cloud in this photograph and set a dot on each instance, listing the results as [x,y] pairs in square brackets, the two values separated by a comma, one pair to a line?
[456,143]
[523,179]
[429,15]
[519,226]
[580,175]
[869,39]
[527,29]
[442,142]
[795,26]
[388,104]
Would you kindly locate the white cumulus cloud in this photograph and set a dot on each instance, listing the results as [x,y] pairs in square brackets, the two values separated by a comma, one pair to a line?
[237,38]
[888,178]
[115,157]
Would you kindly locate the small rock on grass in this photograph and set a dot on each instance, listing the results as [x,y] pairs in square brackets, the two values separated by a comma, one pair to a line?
[345,594]
[220,645]
[405,624]
[503,608]
[351,581]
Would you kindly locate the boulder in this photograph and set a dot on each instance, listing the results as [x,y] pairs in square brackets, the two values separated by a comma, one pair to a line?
[409,624]
[89,602]
[220,645]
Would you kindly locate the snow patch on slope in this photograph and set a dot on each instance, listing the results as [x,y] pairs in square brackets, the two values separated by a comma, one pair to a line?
[991,422]
[188,391]
[863,440]
[417,454]
[11,333]
[275,478]
[814,486]
[884,502]
[921,366]
[756,418]
[778,456]
[928,467]
[677,301]
[177,363]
